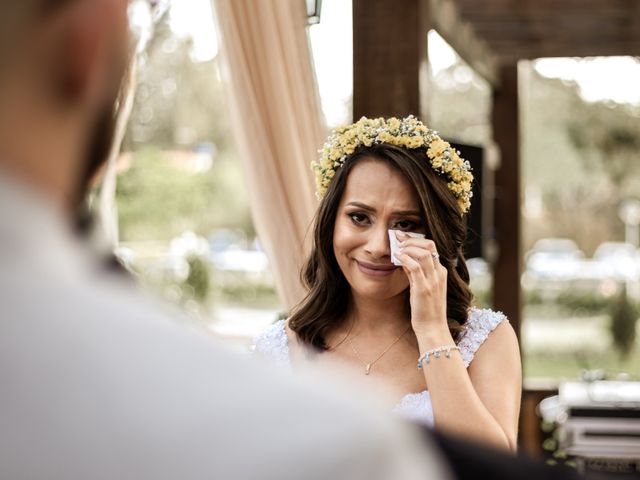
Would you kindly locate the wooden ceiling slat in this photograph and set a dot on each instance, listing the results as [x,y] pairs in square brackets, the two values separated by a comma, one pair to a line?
[535,28]
[550,23]
[549,6]
[543,14]
[608,34]
[584,51]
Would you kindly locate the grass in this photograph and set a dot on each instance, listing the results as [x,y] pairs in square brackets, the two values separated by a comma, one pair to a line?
[569,365]
[558,344]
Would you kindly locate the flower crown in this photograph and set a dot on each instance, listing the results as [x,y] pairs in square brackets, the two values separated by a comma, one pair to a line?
[408,132]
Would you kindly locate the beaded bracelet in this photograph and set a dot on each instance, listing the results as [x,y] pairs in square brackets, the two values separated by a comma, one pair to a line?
[436,353]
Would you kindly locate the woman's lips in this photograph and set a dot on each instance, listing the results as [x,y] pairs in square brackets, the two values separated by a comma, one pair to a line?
[376,270]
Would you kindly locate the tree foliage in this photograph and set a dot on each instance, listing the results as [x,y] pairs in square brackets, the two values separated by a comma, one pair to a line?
[624,316]
[158,200]
[179,106]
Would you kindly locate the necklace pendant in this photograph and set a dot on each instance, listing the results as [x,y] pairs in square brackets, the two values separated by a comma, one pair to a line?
[367,369]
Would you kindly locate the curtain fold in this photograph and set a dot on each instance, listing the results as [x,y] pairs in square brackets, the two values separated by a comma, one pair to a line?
[277,124]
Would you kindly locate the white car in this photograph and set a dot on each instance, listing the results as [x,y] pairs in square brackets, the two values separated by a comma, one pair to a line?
[554,259]
[236,260]
[617,260]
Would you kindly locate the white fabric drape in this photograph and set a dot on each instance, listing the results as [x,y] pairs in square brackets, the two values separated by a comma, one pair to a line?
[277,123]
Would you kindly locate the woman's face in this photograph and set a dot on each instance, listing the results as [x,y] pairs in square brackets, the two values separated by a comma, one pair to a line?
[377,198]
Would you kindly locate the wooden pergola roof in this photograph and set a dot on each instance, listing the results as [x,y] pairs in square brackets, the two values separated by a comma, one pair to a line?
[489,33]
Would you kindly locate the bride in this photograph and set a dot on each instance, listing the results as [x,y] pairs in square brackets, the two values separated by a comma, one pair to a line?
[402,317]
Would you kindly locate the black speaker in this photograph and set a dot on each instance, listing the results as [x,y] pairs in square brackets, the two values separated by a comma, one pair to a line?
[475,156]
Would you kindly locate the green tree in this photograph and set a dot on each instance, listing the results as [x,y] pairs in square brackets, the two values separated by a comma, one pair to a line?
[579,158]
[159,200]
[624,316]
[179,106]
[198,280]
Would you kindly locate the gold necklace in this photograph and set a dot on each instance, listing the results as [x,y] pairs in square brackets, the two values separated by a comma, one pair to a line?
[368,365]
[343,338]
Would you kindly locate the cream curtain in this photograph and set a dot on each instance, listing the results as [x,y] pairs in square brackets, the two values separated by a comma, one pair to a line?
[108,211]
[277,123]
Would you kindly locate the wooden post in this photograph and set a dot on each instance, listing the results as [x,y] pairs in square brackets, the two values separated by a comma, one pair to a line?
[389,49]
[507,268]
[530,432]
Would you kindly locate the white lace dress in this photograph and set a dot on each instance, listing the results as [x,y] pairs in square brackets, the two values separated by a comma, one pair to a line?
[273,343]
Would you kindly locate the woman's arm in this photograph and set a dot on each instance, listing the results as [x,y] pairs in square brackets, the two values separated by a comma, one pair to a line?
[483,402]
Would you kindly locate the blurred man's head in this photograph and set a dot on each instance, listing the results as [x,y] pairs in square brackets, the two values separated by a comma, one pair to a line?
[61,66]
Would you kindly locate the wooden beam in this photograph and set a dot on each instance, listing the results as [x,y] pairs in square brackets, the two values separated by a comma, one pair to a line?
[550,28]
[571,28]
[463,39]
[507,267]
[389,48]
[544,7]
[549,31]
[512,51]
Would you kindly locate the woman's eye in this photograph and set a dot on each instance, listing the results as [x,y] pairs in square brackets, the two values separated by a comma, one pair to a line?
[406,225]
[358,218]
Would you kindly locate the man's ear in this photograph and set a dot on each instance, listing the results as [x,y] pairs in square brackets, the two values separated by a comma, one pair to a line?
[89,42]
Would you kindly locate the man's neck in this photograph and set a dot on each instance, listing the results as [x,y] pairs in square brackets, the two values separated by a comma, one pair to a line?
[40,148]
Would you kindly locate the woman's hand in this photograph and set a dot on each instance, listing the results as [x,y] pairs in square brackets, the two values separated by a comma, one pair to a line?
[427,284]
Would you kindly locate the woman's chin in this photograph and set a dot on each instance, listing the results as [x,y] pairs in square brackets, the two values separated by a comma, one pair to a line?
[377,293]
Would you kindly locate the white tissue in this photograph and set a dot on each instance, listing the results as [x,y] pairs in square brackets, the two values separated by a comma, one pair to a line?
[394,243]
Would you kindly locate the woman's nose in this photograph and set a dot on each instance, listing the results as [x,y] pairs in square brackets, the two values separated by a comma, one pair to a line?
[378,242]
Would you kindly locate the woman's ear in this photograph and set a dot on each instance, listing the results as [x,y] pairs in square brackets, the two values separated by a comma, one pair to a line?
[91,49]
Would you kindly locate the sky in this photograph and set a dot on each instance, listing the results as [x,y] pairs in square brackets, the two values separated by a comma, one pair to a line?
[195,18]
[609,78]
[604,78]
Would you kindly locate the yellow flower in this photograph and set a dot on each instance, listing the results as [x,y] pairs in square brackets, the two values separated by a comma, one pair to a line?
[439,146]
[416,142]
[407,133]
[386,137]
[404,140]
[393,123]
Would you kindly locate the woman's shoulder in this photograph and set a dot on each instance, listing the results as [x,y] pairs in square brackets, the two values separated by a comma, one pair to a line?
[273,342]
[480,323]
[484,318]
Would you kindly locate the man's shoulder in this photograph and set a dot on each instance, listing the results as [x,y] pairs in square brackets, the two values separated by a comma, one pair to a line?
[116,375]
[112,376]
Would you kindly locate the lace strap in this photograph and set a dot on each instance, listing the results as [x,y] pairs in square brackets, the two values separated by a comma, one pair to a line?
[480,324]
[273,343]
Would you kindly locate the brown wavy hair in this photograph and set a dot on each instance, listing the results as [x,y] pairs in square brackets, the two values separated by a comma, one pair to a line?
[326,304]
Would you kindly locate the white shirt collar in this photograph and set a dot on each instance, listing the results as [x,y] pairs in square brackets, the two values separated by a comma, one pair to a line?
[34,231]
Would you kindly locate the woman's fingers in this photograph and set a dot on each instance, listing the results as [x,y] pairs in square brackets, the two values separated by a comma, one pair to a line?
[418,242]
[414,271]
[422,266]
[427,257]
[427,280]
